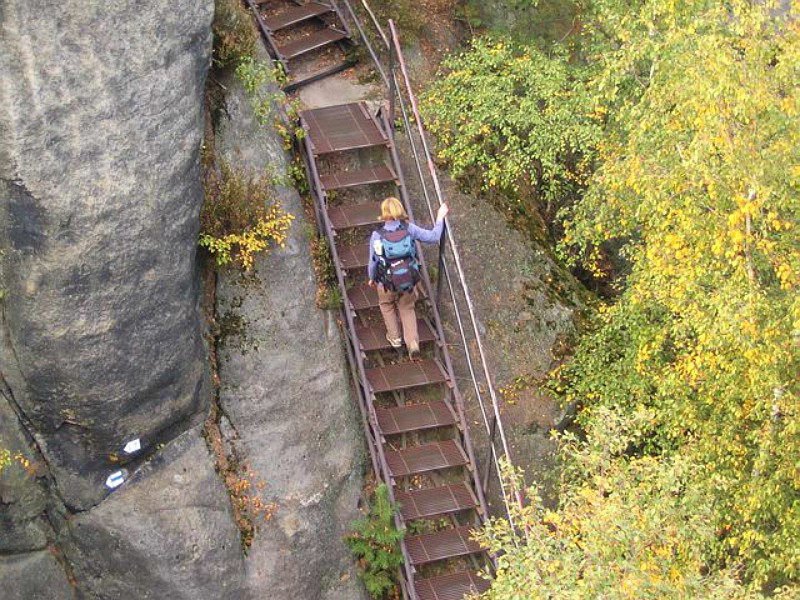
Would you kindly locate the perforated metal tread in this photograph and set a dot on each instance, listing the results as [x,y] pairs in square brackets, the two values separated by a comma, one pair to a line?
[373,337]
[342,127]
[295,15]
[424,458]
[432,502]
[353,257]
[366,176]
[441,545]
[405,375]
[362,297]
[454,586]
[355,215]
[315,41]
[415,417]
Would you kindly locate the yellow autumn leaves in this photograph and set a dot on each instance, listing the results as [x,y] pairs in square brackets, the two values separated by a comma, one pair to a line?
[241,217]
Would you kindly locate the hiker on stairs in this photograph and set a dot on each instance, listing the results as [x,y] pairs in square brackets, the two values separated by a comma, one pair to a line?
[394,268]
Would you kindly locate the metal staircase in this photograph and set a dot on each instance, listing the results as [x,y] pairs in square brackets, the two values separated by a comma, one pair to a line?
[413,412]
[294,31]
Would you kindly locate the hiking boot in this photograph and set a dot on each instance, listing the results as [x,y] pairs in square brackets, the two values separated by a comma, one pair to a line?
[394,342]
[413,351]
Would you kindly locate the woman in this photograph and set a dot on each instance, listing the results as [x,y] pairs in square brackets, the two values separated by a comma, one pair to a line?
[392,302]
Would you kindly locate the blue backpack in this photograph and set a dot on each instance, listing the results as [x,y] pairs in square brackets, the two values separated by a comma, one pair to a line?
[398,267]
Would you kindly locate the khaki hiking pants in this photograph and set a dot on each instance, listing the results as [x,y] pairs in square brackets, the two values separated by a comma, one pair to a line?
[392,303]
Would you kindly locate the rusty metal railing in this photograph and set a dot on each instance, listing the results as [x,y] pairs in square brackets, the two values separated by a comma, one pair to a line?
[497,424]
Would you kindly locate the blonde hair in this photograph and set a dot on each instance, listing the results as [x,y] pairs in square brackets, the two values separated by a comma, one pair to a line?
[392,210]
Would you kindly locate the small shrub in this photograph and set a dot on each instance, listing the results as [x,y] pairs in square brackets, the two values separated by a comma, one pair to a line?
[240,217]
[254,76]
[7,458]
[329,297]
[298,178]
[375,543]
[234,36]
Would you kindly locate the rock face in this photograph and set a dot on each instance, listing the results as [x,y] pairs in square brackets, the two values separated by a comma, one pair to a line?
[287,398]
[100,126]
[33,576]
[101,117]
[166,533]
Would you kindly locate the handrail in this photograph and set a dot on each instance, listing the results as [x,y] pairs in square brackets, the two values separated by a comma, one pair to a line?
[367,43]
[459,400]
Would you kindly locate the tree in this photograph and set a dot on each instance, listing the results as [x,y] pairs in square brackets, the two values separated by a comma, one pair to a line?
[699,176]
[683,120]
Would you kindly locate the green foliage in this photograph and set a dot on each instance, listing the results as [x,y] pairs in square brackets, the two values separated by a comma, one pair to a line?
[697,179]
[8,458]
[261,81]
[676,139]
[298,177]
[5,459]
[625,528]
[256,77]
[240,216]
[374,542]
[513,119]
[234,35]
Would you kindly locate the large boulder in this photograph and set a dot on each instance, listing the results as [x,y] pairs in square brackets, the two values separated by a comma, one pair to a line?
[287,398]
[100,128]
[34,576]
[168,532]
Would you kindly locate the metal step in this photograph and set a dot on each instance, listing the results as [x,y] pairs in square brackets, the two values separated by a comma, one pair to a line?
[455,586]
[373,337]
[347,179]
[357,215]
[316,76]
[425,458]
[362,297]
[296,15]
[433,502]
[312,42]
[450,543]
[354,257]
[405,375]
[415,417]
[341,128]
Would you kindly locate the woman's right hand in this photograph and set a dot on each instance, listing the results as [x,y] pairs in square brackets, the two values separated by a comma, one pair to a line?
[443,210]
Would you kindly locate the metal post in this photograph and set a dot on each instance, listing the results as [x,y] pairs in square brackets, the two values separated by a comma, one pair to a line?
[489,457]
[440,268]
[392,87]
